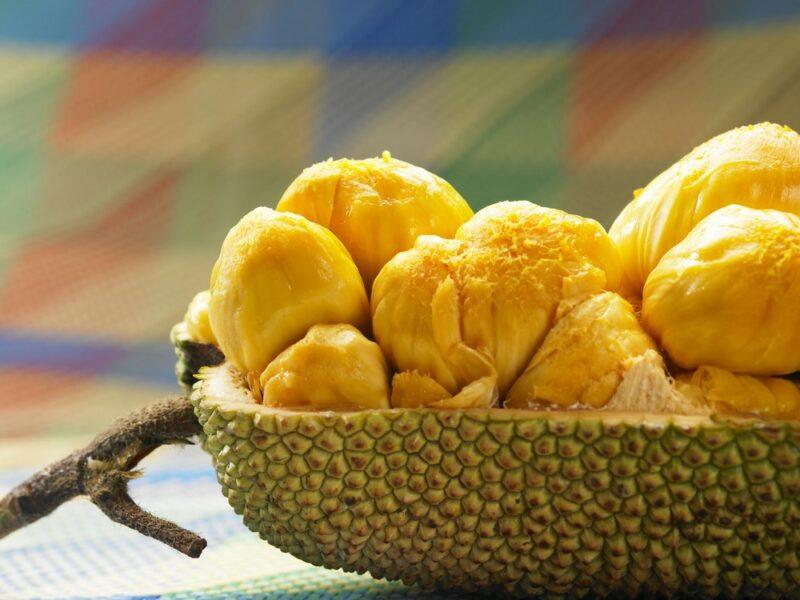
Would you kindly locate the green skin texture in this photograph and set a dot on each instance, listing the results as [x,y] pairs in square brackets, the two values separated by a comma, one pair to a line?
[560,504]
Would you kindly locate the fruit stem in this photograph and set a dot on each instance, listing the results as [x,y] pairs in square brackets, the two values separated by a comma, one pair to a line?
[102,470]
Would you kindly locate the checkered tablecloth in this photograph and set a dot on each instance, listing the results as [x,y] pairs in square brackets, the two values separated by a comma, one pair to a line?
[134,133]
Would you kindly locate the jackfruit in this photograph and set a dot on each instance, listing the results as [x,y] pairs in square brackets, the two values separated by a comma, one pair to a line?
[377,207]
[570,501]
[729,393]
[277,275]
[728,295]
[479,305]
[585,356]
[530,503]
[756,166]
[334,367]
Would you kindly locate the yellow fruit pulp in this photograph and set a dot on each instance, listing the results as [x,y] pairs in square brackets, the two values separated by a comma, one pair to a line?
[728,295]
[479,305]
[277,275]
[377,207]
[756,166]
[766,397]
[198,325]
[334,367]
[584,356]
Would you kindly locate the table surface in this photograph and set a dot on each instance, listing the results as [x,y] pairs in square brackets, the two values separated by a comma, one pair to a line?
[77,553]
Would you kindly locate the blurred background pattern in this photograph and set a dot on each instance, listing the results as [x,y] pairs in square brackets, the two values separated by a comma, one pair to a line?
[133,134]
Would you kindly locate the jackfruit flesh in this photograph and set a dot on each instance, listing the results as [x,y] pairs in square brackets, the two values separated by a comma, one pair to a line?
[334,367]
[584,357]
[647,388]
[731,393]
[277,275]
[377,207]
[198,325]
[414,390]
[756,166]
[728,295]
[479,305]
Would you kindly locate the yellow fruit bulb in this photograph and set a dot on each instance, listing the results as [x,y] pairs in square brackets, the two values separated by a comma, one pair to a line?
[414,390]
[728,295]
[334,367]
[584,357]
[726,392]
[479,305]
[756,166]
[198,325]
[377,207]
[277,275]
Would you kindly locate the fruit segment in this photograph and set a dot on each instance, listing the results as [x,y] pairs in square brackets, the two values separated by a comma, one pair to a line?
[728,295]
[585,356]
[279,274]
[729,393]
[480,305]
[756,166]
[377,207]
[334,367]
[198,325]
[519,305]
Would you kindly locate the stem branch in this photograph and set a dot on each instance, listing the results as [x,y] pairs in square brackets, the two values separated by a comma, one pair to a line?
[102,470]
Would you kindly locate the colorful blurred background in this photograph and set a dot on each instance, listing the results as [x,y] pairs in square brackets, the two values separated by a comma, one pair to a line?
[134,133]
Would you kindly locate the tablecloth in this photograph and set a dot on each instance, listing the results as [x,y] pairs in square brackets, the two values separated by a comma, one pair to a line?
[77,553]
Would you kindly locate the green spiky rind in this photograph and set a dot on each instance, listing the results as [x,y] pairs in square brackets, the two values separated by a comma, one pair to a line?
[192,355]
[556,504]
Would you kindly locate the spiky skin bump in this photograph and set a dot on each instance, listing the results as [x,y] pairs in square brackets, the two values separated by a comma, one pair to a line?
[555,504]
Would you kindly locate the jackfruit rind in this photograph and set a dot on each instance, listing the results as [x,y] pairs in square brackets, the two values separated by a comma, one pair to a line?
[728,295]
[567,504]
[584,357]
[756,166]
[446,307]
[731,393]
[377,207]
[334,367]
[277,275]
